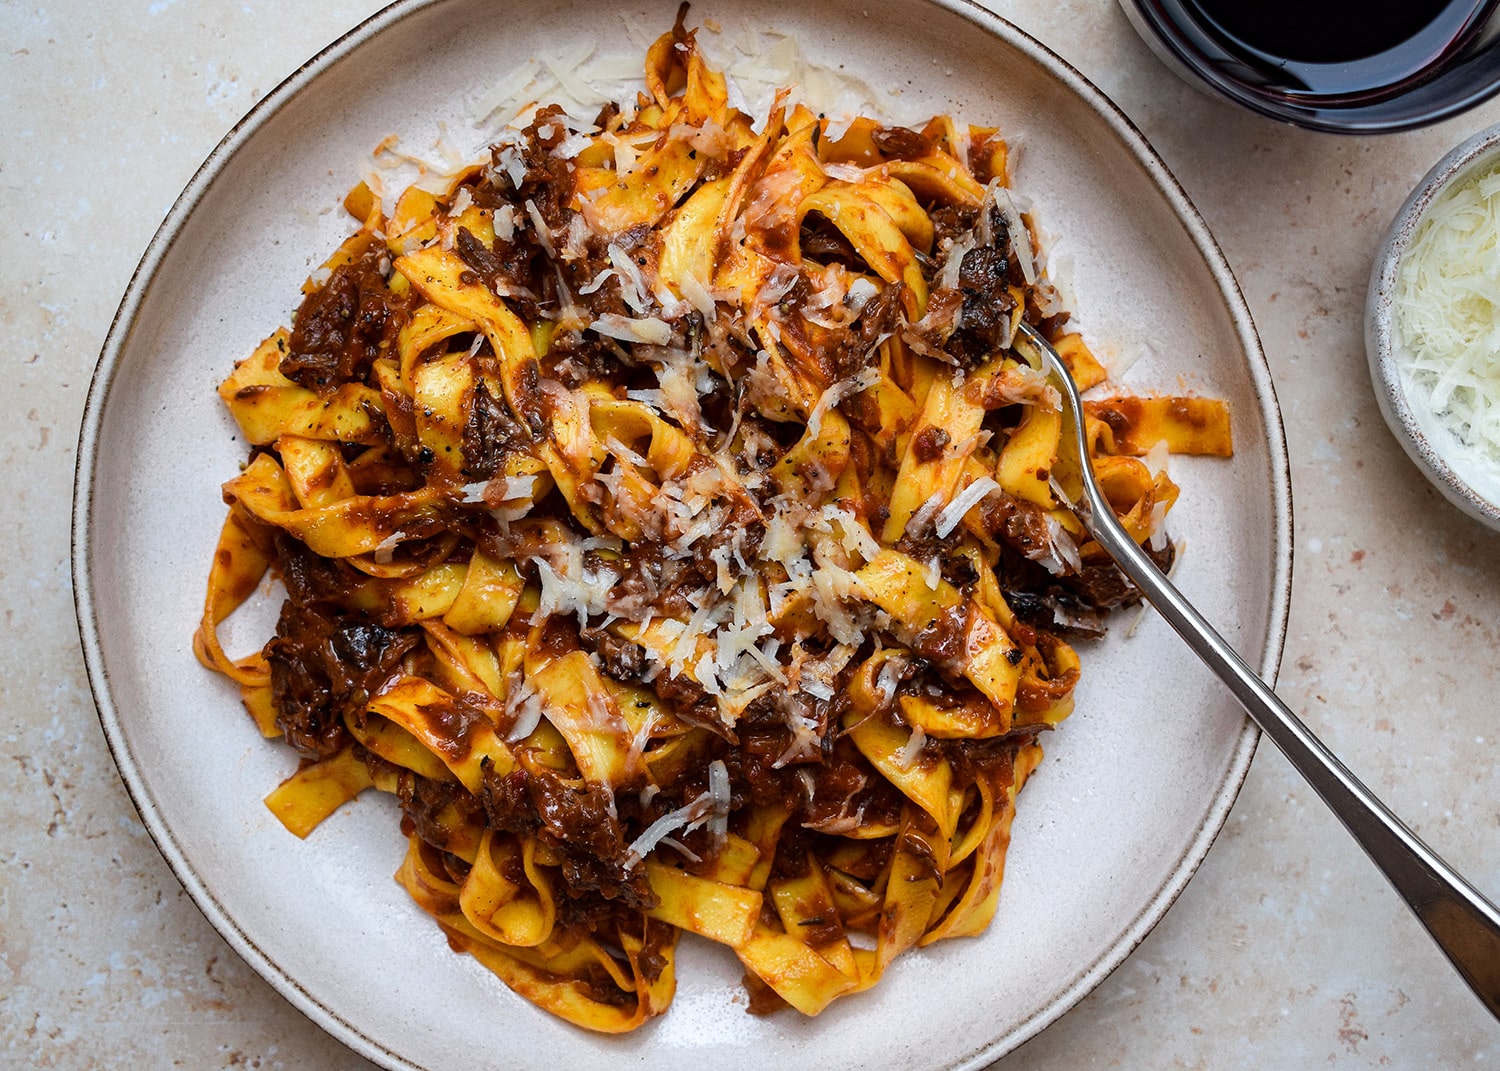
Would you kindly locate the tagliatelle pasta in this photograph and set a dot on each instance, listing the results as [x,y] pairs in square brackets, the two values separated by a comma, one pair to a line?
[666,521]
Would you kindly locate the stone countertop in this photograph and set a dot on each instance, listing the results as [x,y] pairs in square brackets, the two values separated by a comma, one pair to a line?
[1286,950]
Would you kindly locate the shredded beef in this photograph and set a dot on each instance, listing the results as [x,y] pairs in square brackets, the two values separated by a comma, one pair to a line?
[929,443]
[877,320]
[480,257]
[324,666]
[1101,585]
[577,356]
[342,327]
[950,221]
[752,764]
[651,578]
[987,304]
[975,759]
[548,180]
[821,241]
[901,143]
[490,432]
[845,787]
[944,640]
[310,578]
[438,811]
[1020,525]
[578,824]
[691,703]
[622,660]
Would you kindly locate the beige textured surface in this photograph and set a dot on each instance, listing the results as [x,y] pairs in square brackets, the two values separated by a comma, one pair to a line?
[1287,950]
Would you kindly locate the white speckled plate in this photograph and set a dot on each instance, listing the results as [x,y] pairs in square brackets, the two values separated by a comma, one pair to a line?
[1135,785]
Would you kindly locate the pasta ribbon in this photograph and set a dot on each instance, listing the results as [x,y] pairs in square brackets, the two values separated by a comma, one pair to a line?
[462,738]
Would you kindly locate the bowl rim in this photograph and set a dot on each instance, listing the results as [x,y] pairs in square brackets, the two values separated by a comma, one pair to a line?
[124,323]
[1380,328]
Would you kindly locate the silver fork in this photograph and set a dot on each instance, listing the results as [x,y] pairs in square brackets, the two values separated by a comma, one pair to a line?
[1464,924]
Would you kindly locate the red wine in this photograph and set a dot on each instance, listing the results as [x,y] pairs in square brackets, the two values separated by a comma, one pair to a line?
[1331,31]
[1350,66]
[1338,48]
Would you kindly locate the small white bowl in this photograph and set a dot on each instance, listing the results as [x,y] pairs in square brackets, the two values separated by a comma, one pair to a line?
[1447,462]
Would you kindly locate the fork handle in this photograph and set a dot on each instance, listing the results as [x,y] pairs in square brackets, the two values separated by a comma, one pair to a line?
[1464,924]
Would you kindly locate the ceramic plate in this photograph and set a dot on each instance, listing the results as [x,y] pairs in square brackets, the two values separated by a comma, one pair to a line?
[1135,785]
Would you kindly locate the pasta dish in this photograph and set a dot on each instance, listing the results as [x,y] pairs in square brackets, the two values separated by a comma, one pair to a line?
[667,522]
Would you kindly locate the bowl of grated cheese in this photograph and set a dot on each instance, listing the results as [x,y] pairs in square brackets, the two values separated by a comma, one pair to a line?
[1432,328]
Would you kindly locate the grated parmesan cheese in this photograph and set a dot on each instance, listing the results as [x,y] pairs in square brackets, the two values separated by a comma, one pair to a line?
[657,831]
[632,283]
[698,295]
[541,231]
[385,549]
[1020,237]
[913,747]
[1448,315]
[965,500]
[504,93]
[650,330]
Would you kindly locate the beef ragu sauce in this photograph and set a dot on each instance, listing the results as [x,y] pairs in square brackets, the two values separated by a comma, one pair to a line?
[665,521]
[346,323]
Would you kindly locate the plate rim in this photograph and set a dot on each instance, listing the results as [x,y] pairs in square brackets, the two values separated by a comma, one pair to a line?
[302,78]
